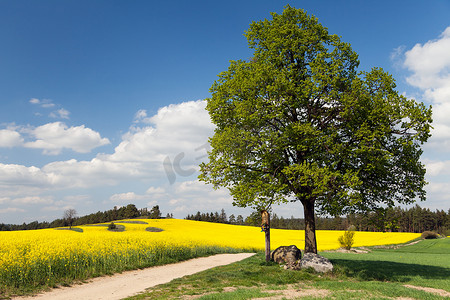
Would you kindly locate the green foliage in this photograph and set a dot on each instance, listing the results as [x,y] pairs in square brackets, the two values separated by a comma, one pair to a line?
[116,227]
[346,240]
[130,212]
[155,213]
[297,122]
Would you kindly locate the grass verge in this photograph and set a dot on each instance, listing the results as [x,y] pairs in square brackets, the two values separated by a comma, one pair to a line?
[380,274]
[35,279]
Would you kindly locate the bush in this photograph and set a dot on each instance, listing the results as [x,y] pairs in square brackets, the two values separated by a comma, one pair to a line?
[346,240]
[429,235]
[112,226]
[447,232]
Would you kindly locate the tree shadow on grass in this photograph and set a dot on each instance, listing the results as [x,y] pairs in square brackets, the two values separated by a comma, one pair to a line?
[388,270]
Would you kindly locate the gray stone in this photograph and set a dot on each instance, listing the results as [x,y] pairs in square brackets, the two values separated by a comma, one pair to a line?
[286,254]
[317,262]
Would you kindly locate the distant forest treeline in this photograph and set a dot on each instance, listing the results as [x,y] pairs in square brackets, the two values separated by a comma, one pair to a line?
[125,212]
[415,219]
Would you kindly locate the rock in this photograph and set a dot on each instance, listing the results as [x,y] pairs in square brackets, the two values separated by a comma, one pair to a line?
[315,261]
[286,254]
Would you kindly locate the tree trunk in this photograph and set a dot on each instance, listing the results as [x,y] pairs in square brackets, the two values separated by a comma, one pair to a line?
[310,227]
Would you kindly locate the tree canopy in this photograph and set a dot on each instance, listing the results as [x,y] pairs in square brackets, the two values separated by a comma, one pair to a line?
[298,122]
[69,216]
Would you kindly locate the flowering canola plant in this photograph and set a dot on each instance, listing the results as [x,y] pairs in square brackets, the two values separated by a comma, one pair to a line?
[36,258]
[246,237]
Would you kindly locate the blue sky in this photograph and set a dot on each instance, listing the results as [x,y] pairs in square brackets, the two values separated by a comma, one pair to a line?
[101,101]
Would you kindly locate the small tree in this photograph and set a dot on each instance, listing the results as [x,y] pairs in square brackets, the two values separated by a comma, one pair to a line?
[254,219]
[155,213]
[112,226]
[69,216]
[232,219]
[130,212]
[346,240]
[222,216]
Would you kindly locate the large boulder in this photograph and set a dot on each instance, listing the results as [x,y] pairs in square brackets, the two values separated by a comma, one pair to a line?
[315,261]
[288,255]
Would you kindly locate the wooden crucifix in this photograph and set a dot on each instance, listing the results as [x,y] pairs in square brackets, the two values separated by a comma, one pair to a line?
[265,226]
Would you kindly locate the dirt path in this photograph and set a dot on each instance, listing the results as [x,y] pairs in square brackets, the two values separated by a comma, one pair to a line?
[439,292]
[130,283]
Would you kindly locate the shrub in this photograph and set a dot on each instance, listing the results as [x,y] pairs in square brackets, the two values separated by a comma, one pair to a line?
[112,226]
[429,235]
[346,240]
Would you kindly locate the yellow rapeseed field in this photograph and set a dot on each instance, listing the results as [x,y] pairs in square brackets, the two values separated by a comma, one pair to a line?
[245,237]
[49,256]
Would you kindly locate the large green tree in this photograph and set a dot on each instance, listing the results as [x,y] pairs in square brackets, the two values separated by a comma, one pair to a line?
[297,122]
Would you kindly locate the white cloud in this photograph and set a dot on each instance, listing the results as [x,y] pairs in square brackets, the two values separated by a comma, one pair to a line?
[436,168]
[187,118]
[52,208]
[77,198]
[33,200]
[182,128]
[48,105]
[176,128]
[141,117]
[129,197]
[190,187]
[16,176]
[60,113]
[96,172]
[195,195]
[397,56]
[429,65]
[439,192]
[152,190]
[11,210]
[45,103]
[10,138]
[157,193]
[54,137]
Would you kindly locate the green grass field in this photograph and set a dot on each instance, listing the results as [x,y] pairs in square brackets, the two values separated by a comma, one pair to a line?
[380,274]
